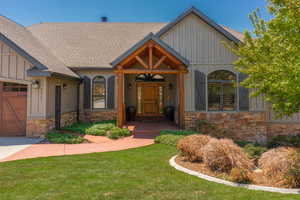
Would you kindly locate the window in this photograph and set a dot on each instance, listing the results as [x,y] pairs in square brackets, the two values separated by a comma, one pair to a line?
[14,87]
[99,92]
[221,91]
[150,78]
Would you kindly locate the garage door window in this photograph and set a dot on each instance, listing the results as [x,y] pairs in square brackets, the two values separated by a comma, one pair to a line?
[14,87]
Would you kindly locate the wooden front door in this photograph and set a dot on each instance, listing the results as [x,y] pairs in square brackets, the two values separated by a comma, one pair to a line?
[150,99]
[13,109]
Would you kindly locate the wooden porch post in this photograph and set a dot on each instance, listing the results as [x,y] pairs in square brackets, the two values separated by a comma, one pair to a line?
[181,98]
[120,115]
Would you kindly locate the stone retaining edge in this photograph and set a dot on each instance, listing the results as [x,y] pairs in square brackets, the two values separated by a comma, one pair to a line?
[229,183]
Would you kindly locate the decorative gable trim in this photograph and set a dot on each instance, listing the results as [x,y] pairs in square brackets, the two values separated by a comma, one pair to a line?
[149,37]
[203,17]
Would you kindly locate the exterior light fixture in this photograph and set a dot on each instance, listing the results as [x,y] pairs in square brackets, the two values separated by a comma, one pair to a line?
[35,84]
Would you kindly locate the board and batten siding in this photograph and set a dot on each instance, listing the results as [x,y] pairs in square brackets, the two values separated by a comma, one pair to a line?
[13,68]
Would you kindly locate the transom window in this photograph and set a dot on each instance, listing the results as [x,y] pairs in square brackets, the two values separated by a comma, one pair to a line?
[221,91]
[99,92]
[149,78]
[14,87]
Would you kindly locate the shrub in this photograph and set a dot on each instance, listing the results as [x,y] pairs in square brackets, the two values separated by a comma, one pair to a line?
[168,139]
[81,127]
[254,150]
[285,140]
[64,138]
[223,155]
[99,129]
[175,132]
[240,175]
[191,146]
[116,133]
[281,166]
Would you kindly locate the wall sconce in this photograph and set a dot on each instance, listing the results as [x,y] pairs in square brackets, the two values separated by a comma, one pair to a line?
[35,84]
[64,86]
[170,86]
[129,86]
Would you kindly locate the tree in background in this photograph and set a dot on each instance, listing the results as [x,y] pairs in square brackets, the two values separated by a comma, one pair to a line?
[271,59]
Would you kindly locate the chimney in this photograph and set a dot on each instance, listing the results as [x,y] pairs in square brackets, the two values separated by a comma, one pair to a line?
[104,19]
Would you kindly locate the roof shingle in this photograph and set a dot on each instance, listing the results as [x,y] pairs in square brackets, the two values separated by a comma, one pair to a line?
[24,39]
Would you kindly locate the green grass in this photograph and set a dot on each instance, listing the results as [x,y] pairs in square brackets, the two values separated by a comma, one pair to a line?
[81,127]
[142,173]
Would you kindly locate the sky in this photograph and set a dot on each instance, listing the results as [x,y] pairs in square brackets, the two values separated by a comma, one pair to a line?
[231,13]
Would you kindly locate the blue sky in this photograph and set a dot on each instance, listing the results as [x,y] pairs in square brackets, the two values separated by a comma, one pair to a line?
[232,13]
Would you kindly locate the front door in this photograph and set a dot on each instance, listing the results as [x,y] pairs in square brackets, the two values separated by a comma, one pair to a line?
[150,99]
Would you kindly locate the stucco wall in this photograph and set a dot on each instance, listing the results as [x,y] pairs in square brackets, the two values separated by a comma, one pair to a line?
[68,96]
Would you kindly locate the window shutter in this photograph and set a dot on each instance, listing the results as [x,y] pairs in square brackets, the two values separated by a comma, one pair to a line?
[243,94]
[200,91]
[111,92]
[86,92]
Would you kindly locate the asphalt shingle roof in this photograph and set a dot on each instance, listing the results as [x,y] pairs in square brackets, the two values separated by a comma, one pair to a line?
[25,40]
[91,44]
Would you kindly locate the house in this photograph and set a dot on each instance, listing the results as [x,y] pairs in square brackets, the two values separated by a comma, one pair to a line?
[54,74]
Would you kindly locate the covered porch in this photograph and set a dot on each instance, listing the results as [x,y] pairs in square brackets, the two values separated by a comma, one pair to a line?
[150,77]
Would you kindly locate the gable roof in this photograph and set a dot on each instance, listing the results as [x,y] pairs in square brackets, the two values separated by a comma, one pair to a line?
[23,42]
[224,31]
[149,37]
[91,44]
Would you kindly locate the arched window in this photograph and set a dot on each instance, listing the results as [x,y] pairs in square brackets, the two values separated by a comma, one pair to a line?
[221,91]
[150,78]
[99,92]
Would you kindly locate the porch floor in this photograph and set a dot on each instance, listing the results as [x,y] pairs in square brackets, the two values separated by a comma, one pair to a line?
[149,129]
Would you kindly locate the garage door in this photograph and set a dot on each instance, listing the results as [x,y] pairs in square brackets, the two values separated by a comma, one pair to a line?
[13,109]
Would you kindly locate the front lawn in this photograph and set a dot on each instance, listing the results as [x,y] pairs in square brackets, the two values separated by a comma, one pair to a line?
[142,173]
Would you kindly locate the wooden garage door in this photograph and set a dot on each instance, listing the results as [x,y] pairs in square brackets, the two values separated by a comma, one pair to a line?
[13,109]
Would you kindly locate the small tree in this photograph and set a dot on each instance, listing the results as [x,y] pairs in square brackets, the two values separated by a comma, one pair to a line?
[272,59]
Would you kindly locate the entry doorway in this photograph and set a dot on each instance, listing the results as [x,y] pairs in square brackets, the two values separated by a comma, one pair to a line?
[57,107]
[150,99]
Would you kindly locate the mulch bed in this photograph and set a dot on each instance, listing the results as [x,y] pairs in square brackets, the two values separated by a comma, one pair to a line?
[259,179]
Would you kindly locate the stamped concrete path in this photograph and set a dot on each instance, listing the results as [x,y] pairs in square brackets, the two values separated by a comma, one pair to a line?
[141,137]
[100,144]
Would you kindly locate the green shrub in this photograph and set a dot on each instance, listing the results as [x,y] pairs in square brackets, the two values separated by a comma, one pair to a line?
[175,132]
[117,132]
[95,131]
[284,140]
[99,129]
[168,139]
[254,150]
[64,138]
[81,127]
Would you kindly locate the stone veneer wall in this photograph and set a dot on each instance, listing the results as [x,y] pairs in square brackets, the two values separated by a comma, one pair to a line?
[246,126]
[98,115]
[38,127]
[242,126]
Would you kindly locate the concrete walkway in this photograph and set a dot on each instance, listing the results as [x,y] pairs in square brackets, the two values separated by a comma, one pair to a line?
[12,145]
[100,144]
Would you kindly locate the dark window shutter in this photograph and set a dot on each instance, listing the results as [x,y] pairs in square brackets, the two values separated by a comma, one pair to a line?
[86,92]
[243,94]
[111,92]
[200,91]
